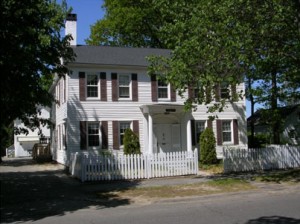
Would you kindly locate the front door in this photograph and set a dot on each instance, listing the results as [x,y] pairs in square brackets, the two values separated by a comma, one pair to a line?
[166,138]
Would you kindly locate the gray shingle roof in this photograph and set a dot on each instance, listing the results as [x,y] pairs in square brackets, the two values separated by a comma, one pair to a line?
[106,55]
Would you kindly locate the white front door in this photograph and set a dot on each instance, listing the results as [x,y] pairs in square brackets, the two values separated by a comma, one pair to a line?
[166,138]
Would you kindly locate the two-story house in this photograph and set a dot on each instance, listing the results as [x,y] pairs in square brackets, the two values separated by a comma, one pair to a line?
[108,90]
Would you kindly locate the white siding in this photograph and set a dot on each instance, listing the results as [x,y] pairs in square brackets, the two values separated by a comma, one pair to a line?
[96,110]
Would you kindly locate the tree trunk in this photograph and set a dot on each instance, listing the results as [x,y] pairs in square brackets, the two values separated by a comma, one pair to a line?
[274,109]
[252,128]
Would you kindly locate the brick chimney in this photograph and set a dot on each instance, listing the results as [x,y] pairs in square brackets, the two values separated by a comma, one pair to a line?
[71,28]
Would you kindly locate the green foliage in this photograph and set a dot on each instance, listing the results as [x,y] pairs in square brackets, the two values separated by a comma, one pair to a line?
[33,48]
[131,143]
[259,141]
[208,154]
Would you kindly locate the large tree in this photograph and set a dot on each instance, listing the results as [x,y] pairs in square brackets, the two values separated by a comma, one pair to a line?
[31,51]
[212,42]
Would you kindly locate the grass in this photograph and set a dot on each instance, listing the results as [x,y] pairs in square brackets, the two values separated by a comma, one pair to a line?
[212,169]
[152,193]
[280,176]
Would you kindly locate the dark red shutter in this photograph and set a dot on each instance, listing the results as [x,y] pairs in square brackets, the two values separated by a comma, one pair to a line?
[219,132]
[114,86]
[209,124]
[191,92]
[83,136]
[135,127]
[81,86]
[134,80]
[217,92]
[65,88]
[233,92]
[194,141]
[103,87]
[235,132]
[173,94]
[116,144]
[208,97]
[153,88]
[104,134]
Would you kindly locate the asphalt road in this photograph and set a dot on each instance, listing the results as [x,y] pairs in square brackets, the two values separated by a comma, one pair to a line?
[32,193]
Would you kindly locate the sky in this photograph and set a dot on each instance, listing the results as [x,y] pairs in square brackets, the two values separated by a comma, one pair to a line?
[88,12]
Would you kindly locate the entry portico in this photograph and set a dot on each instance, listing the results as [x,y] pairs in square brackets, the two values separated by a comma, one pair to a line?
[167,128]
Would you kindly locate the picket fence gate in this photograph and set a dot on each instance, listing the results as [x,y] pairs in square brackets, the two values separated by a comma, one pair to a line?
[273,157]
[91,167]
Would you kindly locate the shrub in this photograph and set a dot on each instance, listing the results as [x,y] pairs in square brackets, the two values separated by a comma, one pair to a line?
[208,154]
[131,143]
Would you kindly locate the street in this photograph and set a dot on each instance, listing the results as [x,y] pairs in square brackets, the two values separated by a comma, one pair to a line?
[255,208]
[44,194]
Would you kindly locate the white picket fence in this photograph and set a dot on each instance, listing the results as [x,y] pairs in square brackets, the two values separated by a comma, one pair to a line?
[90,167]
[272,157]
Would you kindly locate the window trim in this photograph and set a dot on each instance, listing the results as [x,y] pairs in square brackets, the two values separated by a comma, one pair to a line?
[168,87]
[231,132]
[205,126]
[129,86]
[223,86]
[87,135]
[119,131]
[98,86]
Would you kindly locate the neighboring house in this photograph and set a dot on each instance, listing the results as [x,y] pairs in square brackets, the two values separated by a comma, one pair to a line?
[24,143]
[108,90]
[291,124]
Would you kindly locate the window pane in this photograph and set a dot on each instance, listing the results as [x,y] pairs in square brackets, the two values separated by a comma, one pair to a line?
[92,91]
[224,90]
[162,83]
[123,127]
[226,136]
[124,92]
[92,85]
[92,79]
[124,80]
[200,126]
[162,92]
[226,126]
[93,140]
[93,134]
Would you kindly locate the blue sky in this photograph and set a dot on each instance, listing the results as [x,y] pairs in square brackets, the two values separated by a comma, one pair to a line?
[88,12]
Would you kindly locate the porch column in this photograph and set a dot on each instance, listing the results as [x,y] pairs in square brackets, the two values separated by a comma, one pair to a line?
[189,136]
[150,133]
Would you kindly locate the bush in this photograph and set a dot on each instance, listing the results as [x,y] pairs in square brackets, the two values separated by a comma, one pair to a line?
[131,143]
[208,154]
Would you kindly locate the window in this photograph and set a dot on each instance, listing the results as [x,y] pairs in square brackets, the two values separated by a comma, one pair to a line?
[199,128]
[92,84]
[224,90]
[226,131]
[93,134]
[124,85]
[123,125]
[163,89]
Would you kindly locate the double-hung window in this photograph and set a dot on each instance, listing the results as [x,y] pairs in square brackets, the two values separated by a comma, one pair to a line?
[224,90]
[124,86]
[123,125]
[93,134]
[199,128]
[162,89]
[226,131]
[92,86]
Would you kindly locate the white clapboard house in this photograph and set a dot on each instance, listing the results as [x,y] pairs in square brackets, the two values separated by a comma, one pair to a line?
[108,90]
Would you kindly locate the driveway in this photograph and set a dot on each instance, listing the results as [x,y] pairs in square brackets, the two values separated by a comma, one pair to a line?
[31,191]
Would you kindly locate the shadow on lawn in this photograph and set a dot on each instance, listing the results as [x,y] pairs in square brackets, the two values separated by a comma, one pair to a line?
[31,196]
